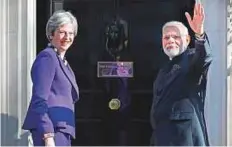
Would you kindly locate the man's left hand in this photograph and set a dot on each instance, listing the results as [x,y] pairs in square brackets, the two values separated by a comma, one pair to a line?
[197,21]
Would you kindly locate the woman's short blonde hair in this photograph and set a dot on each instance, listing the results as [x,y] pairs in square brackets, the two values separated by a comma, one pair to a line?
[58,19]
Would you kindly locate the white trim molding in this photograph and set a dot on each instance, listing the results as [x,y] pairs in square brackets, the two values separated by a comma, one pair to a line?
[216,100]
[18,50]
[229,72]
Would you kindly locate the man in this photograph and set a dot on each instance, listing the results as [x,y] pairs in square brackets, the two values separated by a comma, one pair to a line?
[177,113]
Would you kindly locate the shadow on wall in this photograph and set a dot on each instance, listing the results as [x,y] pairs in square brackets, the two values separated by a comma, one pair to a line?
[9,132]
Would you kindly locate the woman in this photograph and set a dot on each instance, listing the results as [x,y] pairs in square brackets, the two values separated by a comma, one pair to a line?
[50,116]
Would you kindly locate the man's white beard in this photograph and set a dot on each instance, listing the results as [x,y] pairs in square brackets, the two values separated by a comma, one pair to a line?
[171,53]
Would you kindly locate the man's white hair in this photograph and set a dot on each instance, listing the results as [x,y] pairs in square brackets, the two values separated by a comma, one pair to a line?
[182,28]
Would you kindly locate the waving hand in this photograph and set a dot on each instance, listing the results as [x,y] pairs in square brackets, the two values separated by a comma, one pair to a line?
[197,21]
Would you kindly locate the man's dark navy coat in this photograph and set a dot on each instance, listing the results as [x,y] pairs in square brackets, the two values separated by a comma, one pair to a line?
[177,113]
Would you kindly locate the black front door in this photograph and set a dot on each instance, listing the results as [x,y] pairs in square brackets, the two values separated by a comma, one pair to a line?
[95,123]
